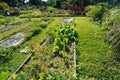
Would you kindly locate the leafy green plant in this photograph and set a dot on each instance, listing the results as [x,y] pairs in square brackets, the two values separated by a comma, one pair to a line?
[96,12]
[20,76]
[111,19]
[3,73]
[50,75]
[64,36]
[32,33]
[1,16]
[50,9]
[43,25]
[112,25]
[5,54]
[4,6]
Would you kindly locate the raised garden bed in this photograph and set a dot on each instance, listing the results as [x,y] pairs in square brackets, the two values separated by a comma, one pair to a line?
[9,26]
[48,60]
[13,40]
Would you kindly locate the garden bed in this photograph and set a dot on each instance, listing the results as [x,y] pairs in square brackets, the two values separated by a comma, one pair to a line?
[48,60]
[13,40]
[9,26]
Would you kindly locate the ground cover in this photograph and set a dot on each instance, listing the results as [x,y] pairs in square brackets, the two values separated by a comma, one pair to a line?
[93,58]
[49,62]
[9,20]
[11,31]
[18,57]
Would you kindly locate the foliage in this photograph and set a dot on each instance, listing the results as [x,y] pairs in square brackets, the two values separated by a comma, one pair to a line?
[111,19]
[94,60]
[64,35]
[43,25]
[96,12]
[50,9]
[17,56]
[32,33]
[3,73]
[1,16]
[9,20]
[4,6]
[50,75]
[9,32]
[112,25]
[55,3]
[5,54]
[20,76]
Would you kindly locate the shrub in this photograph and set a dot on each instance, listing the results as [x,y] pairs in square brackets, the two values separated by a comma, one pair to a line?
[20,76]
[113,35]
[96,12]
[32,33]
[3,75]
[111,19]
[1,16]
[35,32]
[43,25]
[5,54]
[4,6]
[50,9]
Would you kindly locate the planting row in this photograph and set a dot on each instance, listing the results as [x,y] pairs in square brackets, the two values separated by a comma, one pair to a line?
[54,60]
[16,57]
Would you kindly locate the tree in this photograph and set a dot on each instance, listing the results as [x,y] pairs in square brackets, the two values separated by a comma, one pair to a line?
[77,6]
[36,2]
[11,2]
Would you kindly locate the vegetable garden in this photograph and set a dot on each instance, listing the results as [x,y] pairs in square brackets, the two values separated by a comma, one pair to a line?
[59,40]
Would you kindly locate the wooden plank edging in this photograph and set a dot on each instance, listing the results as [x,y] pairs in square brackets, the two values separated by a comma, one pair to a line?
[26,60]
[74,58]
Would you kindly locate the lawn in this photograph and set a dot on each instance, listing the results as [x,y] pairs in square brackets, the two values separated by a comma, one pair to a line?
[93,59]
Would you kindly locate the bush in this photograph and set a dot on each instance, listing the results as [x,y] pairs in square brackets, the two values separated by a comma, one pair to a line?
[96,12]
[32,33]
[113,36]
[43,25]
[4,74]
[111,19]
[4,6]
[1,16]
[50,9]
[5,54]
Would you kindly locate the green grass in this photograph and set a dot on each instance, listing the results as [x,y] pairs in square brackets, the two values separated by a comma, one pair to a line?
[30,13]
[93,60]
[9,20]
[18,57]
[11,31]
[45,58]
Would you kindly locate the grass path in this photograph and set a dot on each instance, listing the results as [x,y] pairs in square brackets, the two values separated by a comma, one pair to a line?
[93,60]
